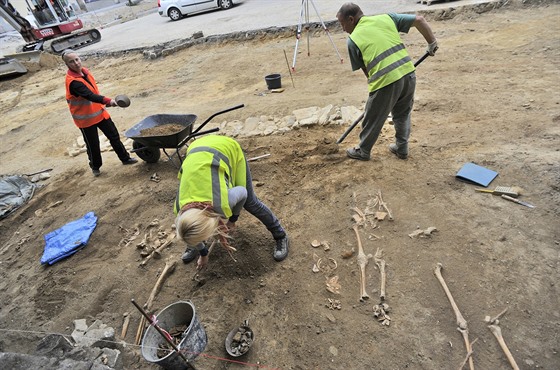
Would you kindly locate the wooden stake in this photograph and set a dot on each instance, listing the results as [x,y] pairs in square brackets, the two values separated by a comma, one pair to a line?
[167,270]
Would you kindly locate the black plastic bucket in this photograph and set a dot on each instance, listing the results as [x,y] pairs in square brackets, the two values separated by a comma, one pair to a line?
[193,342]
[273,81]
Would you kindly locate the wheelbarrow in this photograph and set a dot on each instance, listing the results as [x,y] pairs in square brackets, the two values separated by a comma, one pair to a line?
[147,146]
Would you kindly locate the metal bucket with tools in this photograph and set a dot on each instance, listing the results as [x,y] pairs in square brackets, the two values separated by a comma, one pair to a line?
[193,340]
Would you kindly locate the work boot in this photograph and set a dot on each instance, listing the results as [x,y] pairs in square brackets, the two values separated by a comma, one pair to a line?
[281,250]
[189,255]
[356,153]
[130,161]
[393,149]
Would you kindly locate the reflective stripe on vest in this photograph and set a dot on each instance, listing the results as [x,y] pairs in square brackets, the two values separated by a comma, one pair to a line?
[386,58]
[84,112]
[217,192]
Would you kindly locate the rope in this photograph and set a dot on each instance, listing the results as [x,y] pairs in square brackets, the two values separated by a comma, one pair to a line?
[126,344]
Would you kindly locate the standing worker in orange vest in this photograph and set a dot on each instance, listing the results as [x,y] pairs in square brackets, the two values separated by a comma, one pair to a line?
[87,107]
[375,47]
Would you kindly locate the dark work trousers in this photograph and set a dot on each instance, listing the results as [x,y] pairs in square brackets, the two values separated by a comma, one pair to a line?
[254,206]
[91,137]
[397,99]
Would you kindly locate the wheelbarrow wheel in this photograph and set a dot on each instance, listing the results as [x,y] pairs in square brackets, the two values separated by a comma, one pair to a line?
[146,153]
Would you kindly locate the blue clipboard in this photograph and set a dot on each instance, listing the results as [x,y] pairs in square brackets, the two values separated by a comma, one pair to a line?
[476,174]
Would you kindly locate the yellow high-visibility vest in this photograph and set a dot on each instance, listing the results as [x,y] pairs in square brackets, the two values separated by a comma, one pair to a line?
[383,52]
[213,165]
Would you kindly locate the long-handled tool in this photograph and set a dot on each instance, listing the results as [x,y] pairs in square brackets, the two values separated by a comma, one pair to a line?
[355,123]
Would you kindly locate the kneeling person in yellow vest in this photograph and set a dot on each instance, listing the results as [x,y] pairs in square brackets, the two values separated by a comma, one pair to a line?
[215,184]
[87,107]
[375,47]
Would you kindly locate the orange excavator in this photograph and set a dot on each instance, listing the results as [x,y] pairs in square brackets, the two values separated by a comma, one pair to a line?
[50,25]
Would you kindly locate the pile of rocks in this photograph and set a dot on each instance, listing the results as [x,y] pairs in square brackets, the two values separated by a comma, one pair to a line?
[258,126]
[91,347]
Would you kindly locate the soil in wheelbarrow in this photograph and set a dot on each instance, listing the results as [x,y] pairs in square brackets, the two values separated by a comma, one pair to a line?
[489,96]
[162,130]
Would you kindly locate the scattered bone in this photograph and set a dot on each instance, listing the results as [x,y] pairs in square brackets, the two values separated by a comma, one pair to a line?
[156,253]
[461,322]
[380,312]
[497,331]
[422,233]
[316,258]
[55,204]
[345,254]
[359,212]
[144,242]
[495,320]
[130,236]
[380,215]
[333,304]
[155,177]
[358,219]
[326,246]
[362,262]
[328,266]
[380,262]
[333,285]
[469,354]
[383,205]
[315,243]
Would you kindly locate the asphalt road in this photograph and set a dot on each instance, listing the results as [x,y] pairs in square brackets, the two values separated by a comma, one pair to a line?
[246,15]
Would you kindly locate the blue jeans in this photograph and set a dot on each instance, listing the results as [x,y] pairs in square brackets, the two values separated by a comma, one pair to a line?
[254,206]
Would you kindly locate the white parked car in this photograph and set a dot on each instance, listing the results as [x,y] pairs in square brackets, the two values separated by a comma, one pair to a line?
[177,9]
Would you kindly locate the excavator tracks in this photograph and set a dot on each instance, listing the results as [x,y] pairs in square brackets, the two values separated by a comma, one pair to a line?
[73,41]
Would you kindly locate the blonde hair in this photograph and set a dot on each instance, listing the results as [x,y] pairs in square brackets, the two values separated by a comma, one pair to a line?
[197,225]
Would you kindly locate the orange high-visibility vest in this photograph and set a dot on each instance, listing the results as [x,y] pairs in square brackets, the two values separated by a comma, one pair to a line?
[84,112]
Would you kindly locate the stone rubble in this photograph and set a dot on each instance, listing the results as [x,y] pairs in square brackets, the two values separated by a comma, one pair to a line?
[258,126]
[90,348]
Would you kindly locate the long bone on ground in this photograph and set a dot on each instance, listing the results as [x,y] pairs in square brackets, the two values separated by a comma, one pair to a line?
[461,322]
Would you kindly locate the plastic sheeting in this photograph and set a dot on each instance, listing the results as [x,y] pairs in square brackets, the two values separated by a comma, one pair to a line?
[14,192]
[69,239]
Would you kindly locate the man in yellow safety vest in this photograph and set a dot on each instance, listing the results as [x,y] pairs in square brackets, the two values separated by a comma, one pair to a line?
[375,47]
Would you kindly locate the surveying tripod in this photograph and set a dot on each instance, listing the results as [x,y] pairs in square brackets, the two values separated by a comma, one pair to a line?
[304,12]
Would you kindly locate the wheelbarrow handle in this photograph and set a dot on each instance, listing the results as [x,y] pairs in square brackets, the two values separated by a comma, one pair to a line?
[216,114]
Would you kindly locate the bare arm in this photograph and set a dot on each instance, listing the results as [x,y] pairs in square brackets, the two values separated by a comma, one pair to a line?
[424,28]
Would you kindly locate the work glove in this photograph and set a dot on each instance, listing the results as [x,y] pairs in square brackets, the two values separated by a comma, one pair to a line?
[432,48]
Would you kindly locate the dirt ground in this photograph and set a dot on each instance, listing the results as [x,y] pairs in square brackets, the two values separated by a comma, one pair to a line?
[490,96]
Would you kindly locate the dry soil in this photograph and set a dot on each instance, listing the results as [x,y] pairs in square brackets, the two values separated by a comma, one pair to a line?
[490,96]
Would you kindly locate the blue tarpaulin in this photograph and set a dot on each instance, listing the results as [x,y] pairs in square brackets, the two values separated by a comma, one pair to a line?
[67,240]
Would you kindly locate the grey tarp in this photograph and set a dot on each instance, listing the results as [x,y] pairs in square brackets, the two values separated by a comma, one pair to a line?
[15,191]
